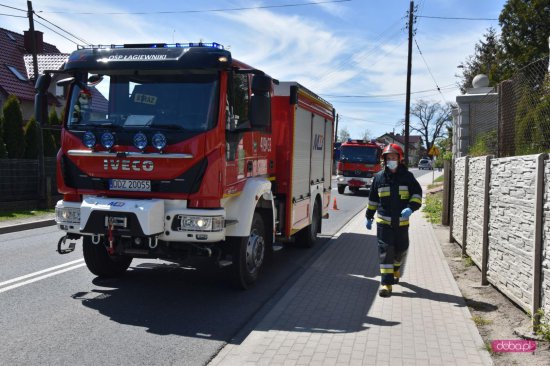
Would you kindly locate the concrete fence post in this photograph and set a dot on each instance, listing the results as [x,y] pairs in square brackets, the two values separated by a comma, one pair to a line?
[465,206]
[451,201]
[446,193]
[486,213]
[537,253]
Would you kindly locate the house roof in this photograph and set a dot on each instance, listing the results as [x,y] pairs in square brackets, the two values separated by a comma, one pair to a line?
[12,55]
[46,61]
[413,139]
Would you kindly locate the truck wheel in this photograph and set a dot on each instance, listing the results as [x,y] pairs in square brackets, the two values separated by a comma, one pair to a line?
[249,254]
[341,189]
[307,236]
[100,263]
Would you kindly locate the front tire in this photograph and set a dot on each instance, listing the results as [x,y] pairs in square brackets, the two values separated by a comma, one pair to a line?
[248,254]
[341,188]
[100,263]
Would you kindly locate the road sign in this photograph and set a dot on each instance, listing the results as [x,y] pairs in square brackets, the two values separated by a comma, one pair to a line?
[434,151]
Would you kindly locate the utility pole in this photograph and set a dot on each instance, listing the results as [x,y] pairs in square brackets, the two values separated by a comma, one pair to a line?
[408,98]
[40,118]
[336,129]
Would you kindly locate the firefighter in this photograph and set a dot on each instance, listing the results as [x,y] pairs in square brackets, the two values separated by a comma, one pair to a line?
[395,194]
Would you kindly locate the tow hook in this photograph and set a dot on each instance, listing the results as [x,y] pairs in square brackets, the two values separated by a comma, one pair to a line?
[111,249]
[64,247]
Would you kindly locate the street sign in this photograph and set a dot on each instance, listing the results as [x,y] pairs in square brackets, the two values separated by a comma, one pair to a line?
[434,151]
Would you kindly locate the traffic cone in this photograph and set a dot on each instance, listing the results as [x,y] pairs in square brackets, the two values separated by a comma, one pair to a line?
[334,205]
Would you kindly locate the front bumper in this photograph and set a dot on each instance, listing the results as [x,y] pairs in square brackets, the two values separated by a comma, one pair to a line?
[353,181]
[166,220]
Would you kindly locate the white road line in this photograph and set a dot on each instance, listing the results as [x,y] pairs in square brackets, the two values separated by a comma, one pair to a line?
[40,272]
[40,278]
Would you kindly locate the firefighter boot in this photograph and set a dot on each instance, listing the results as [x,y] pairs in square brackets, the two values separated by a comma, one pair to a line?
[396,277]
[385,291]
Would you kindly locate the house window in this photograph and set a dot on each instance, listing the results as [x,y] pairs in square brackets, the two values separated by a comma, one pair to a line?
[17,73]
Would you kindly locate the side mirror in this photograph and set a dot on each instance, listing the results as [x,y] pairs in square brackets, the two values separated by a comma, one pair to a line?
[260,102]
[261,84]
[41,98]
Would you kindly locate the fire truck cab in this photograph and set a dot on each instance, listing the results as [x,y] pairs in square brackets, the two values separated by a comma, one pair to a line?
[359,162]
[174,151]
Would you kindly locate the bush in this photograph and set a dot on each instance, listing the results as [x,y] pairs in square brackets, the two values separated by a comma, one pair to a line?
[32,129]
[50,146]
[3,152]
[14,137]
[55,123]
[485,144]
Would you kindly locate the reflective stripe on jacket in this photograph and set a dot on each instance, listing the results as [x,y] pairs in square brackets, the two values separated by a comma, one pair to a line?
[391,193]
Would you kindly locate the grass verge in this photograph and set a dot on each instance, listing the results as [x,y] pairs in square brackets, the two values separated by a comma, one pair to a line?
[432,207]
[23,214]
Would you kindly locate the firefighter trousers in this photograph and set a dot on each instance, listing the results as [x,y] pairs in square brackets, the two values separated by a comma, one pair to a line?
[392,248]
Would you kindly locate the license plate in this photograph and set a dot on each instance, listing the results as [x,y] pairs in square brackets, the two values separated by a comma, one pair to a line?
[130,185]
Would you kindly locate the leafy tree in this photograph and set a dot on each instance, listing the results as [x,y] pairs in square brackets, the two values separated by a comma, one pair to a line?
[32,130]
[343,134]
[487,59]
[367,135]
[3,152]
[431,120]
[51,135]
[55,123]
[525,28]
[14,137]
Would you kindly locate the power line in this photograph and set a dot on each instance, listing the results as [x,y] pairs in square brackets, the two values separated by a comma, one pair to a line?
[385,95]
[203,11]
[453,18]
[59,34]
[11,7]
[428,67]
[58,27]
[10,15]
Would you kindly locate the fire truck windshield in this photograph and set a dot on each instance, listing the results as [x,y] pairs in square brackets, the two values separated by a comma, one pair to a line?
[187,102]
[359,154]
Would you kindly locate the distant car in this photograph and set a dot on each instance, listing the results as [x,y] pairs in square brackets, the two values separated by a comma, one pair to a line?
[425,164]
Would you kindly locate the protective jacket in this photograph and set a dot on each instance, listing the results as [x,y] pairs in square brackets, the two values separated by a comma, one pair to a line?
[390,193]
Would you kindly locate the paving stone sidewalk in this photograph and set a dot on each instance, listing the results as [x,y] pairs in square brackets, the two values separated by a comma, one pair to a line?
[333,316]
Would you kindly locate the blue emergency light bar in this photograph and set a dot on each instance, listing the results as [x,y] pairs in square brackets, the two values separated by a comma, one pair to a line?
[155,45]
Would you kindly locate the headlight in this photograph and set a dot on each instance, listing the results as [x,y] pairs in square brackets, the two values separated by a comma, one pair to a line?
[107,140]
[200,223]
[159,141]
[140,140]
[340,179]
[88,139]
[67,215]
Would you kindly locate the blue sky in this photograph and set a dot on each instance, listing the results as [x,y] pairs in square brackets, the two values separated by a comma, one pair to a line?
[338,50]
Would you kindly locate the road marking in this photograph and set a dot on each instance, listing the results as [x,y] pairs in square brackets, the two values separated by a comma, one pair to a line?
[21,278]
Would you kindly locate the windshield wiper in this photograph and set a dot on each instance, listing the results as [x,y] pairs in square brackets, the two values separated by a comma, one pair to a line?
[96,124]
[171,126]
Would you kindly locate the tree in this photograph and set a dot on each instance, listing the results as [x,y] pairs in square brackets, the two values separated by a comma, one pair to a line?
[51,135]
[3,152]
[525,28]
[14,137]
[343,134]
[487,60]
[32,130]
[367,135]
[432,120]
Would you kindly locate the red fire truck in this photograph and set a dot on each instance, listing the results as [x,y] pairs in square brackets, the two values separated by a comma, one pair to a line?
[174,151]
[359,162]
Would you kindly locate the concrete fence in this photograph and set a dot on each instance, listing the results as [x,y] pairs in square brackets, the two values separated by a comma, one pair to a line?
[501,219]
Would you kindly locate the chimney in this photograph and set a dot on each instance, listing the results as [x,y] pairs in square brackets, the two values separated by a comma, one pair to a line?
[38,37]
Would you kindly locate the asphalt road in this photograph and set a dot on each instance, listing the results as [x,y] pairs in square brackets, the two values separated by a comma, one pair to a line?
[54,311]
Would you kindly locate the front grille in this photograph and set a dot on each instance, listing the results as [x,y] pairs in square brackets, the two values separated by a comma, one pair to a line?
[357,173]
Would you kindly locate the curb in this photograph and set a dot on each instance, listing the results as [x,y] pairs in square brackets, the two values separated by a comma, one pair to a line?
[27,226]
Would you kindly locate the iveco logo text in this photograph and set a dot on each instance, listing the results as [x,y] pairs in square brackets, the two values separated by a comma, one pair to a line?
[128,165]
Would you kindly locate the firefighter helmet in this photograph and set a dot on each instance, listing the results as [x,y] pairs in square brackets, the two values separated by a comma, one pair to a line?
[393,149]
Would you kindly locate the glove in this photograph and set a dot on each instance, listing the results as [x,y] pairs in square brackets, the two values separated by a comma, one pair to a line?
[406,213]
[368,224]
